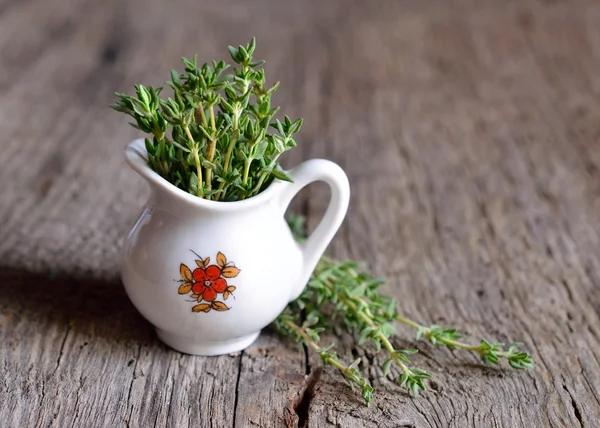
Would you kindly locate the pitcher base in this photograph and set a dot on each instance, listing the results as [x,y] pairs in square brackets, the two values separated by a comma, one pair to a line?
[192,346]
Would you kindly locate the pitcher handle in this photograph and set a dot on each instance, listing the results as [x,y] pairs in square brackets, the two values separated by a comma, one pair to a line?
[314,247]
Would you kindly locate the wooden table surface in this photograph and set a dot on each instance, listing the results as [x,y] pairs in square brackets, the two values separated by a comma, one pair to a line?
[470,131]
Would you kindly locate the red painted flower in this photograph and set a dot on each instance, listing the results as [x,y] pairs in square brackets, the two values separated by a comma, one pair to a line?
[208,282]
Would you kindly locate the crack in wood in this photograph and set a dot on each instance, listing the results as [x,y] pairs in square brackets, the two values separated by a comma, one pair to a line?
[435,221]
[587,380]
[568,290]
[171,407]
[237,388]
[62,347]
[302,404]
[133,378]
[306,359]
[575,406]
[76,406]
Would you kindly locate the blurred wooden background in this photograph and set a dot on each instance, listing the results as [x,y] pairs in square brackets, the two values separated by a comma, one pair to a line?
[470,130]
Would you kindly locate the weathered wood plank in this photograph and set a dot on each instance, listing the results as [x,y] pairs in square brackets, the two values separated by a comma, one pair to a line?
[471,142]
[93,351]
[468,200]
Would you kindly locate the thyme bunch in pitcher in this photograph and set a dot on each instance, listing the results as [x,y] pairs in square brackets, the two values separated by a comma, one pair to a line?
[341,294]
[217,137]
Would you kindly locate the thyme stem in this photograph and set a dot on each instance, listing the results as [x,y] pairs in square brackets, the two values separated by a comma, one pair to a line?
[369,321]
[196,159]
[212,118]
[246,171]
[236,121]
[286,324]
[315,346]
[489,352]
[203,116]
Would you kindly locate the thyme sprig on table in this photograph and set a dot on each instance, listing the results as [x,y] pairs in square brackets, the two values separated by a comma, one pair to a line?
[220,146]
[343,294]
[289,324]
[490,353]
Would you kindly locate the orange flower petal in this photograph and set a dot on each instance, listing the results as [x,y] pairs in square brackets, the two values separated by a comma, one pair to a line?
[210,294]
[199,275]
[198,288]
[219,285]
[212,273]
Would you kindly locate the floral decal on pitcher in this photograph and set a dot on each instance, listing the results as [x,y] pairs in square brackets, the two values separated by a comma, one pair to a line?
[206,282]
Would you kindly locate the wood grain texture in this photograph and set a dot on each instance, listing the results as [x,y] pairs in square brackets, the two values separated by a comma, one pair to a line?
[471,135]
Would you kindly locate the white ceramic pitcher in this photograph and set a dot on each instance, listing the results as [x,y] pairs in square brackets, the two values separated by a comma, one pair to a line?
[210,275]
